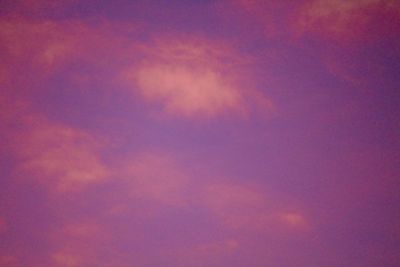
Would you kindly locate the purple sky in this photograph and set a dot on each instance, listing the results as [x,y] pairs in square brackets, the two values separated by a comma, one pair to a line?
[200,133]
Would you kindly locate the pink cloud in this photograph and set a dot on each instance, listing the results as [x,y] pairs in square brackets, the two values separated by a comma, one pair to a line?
[348,21]
[188,92]
[65,259]
[244,208]
[79,243]
[47,46]
[44,43]
[192,78]
[188,77]
[293,219]
[61,157]
[274,17]
[341,21]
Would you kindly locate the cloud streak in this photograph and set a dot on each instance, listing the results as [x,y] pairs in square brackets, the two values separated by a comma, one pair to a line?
[246,209]
[230,133]
[193,79]
[62,158]
[348,21]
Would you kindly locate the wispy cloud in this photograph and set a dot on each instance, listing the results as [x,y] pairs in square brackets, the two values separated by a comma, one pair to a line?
[188,77]
[79,243]
[65,259]
[244,208]
[346,21]
[61,157]
[187,92]
[192,79]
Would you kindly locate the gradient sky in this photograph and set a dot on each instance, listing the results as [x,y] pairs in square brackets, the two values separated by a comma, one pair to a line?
[200,133]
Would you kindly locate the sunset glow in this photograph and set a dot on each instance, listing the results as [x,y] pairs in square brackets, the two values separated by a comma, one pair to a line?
[238,133]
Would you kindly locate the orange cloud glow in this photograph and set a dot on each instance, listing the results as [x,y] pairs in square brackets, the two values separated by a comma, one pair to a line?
[47,46]
[187,77]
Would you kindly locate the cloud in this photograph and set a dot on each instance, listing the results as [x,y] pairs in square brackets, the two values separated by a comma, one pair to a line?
[244,208]
[93,242]
[191,78]
[43,43]
[346,21]
[187,91]
[43,47]
[293,219]
[274,17]
[61,157]
[78,243]
[65,259]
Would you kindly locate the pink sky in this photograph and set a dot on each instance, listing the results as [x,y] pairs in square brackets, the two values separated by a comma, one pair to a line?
[200,133]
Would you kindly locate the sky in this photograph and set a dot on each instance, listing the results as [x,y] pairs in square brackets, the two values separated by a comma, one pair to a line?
[242,133]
